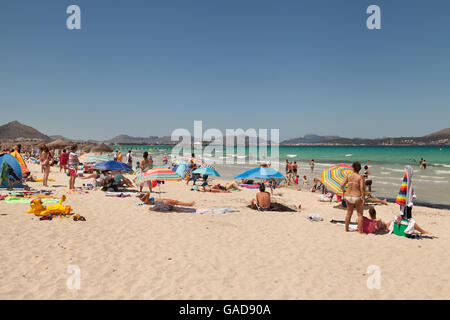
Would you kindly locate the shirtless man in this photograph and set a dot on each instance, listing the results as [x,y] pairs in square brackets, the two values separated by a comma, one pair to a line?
[354,196]
[262,199]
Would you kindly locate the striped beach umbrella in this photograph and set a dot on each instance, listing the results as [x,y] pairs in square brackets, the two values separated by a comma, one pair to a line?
[159,173]
[401,197]
[334,176]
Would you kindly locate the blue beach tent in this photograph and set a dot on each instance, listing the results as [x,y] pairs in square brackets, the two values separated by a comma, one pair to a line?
[14,164]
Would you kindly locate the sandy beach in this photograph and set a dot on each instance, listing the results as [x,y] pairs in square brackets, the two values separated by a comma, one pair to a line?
[125,251]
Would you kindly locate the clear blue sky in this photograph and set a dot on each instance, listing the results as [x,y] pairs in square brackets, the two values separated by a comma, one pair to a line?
[147,67]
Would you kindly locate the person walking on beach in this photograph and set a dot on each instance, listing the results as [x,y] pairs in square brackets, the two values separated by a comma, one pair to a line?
[421,163]
[354,196]
[63,159]
[145,165]
[119,156]
[289,172]
[45,162]
[73,166]
[424,164]
[311,165]
[294,170]
[368,182]
[129,159]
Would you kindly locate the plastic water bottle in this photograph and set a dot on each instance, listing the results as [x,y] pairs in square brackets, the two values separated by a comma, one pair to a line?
[314,217]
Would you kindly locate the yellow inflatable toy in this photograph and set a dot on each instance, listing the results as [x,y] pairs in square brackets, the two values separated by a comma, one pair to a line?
[38,209]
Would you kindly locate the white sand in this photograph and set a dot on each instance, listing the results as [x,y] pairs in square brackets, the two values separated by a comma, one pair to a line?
[128,252]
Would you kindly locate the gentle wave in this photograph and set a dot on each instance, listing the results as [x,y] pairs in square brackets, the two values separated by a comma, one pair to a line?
[442,171]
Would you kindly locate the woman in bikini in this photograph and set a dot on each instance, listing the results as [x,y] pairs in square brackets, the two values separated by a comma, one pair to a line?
[145,165]
[45,162]
[354,196]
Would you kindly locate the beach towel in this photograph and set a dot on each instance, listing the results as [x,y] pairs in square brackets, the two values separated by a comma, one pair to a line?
[28,200]
[249,186]
[351,227]
[118,194]
[218,210]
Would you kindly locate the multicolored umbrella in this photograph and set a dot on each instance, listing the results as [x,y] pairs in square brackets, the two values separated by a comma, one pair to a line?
[334,176]
[159,173]
[94,158]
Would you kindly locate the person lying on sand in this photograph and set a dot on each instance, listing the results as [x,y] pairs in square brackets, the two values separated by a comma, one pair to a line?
[263,200]
[384,226]
[99,179]
[121,181]
[218,188]
[373,199]
[150,200]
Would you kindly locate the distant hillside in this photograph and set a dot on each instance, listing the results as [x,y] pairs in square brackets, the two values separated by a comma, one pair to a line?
[311,138]
[441,137]
[441,133]
[152,140]
[17,131]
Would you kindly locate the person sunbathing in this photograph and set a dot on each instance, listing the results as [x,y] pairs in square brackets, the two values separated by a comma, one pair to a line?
[380,226]
[384,226]
[150,200]
[262,201]
[121,181]
[373,199]
[216,189]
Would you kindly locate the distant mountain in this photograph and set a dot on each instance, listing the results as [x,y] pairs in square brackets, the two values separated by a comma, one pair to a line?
[16,131]
[310,138]
[152,140]
[441,133]
[441,137]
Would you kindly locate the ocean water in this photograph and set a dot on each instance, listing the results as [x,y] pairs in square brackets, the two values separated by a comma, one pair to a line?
[386,164]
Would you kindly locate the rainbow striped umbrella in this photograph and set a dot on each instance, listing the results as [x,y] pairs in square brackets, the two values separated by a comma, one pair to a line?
[334,176]
[94,158]
[401,198]
[159,173]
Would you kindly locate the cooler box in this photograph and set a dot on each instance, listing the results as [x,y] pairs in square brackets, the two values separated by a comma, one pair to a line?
[399,229]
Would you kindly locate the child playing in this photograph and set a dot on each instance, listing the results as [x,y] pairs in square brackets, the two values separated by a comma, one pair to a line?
[305,183]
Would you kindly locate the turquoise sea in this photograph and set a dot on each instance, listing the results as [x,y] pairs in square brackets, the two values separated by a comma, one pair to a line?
[386,164]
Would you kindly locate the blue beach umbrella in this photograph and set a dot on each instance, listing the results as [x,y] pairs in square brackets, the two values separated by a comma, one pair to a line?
[180,170]
[261,173]
[207,171]
[112,166]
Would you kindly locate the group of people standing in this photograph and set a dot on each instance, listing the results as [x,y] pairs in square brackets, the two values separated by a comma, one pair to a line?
[292,176]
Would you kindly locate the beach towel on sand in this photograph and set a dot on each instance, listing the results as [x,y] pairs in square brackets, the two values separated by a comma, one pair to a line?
[28,200]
